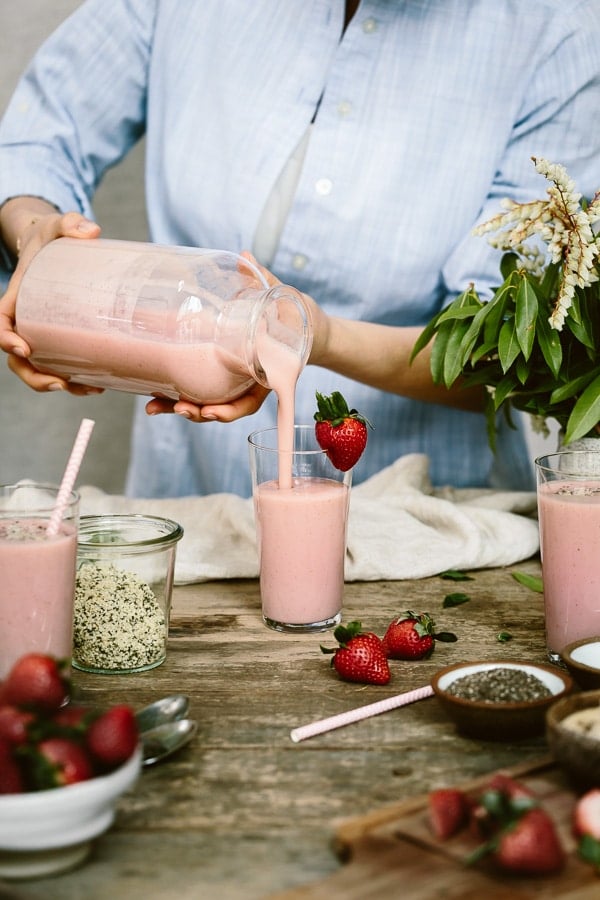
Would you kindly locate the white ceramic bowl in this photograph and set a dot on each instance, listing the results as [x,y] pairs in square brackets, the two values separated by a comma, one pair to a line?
[582,659]
[43,832]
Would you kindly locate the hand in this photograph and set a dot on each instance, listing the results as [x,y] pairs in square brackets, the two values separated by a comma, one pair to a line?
[44,224]
[246,405]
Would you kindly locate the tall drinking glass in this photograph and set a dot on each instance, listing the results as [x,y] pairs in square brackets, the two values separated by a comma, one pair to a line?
[37,573]
[301,531]
[568,494]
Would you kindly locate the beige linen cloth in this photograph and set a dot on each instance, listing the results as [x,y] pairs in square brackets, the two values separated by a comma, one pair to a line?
[399,527]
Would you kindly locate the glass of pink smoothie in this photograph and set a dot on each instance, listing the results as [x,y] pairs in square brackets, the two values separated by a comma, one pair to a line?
[568,494]
[37,573]
[301,512]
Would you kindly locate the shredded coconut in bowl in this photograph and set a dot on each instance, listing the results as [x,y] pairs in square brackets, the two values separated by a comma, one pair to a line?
[118,624]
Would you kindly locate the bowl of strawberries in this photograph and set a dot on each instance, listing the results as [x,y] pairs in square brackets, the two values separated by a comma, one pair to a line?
[63,768]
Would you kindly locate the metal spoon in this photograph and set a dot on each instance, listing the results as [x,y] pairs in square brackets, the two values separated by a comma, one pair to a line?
[168,709]
[165,739]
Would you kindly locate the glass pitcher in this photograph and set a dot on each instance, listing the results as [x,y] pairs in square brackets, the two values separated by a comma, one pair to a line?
[174,322]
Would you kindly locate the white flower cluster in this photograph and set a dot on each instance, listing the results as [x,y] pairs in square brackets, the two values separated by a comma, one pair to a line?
[563,224]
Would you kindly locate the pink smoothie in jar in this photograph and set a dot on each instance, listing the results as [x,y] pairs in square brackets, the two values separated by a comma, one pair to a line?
[37,587]
[569,519]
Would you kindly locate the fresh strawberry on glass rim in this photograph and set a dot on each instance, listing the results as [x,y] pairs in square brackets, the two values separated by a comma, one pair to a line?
[341,432]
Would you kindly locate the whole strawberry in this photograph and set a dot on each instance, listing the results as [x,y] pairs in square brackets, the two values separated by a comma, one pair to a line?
[525,839]
[586,826]
[449,810]
[36,681]
[15,723]
[113,736]
[11,777]
[412,636]
[57,761]
[360,655]
[340,432]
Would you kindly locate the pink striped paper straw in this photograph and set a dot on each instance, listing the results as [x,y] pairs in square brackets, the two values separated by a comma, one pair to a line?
[361,712]
[71,472]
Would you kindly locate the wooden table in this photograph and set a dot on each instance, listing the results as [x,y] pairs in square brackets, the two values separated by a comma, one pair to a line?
[245,813]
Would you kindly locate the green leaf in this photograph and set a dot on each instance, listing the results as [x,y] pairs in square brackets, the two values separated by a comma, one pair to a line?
[522,370]
[438,352]
[424,338]
[489,411]
[455,575]
[504,389]
[508,345]
[457,599]
[586,412]
[525,316]
[455,311]
[579,325]
[589,849]
[573,387]
[495,319]
[509,264]
[534,582]
[474,332]
[453,356]
[549,341]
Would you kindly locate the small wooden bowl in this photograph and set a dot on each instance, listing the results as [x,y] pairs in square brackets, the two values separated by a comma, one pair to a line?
[582,659]
[575,752]
[500,721]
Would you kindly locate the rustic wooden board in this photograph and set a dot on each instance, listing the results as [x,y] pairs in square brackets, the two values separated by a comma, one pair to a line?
[391,852]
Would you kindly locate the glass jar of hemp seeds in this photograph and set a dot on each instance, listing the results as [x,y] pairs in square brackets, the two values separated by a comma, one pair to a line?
[123,587]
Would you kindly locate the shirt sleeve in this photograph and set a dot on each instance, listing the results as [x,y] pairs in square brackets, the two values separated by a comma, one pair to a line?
[80,105]
[556,121]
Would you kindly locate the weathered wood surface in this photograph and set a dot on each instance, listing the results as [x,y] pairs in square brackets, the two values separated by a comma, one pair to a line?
[243,812]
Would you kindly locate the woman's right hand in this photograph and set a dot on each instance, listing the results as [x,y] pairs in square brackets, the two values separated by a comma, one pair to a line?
[28,224]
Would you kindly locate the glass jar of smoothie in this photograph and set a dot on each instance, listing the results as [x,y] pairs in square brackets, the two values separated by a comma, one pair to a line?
[176,322]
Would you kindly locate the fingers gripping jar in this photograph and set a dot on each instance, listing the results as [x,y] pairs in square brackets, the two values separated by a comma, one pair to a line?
[173,322]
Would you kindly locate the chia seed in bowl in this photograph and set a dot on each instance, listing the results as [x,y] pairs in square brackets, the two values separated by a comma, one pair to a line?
[499,685]
[500,700]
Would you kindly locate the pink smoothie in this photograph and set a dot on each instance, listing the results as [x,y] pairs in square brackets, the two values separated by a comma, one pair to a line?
[569,518]
[201,371]
[302,543]
[37,585]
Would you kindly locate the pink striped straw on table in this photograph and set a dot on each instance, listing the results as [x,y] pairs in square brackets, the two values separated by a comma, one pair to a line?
[361,712]
[71,472]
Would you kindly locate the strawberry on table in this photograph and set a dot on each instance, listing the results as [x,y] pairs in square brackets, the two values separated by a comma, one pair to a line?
[341,432]
[360,655]
[412,636]
[524,838]
[586,826]
[36,681]
[531,845]
[449,810]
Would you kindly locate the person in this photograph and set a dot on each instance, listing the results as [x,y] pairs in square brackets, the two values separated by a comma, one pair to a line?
[350,147]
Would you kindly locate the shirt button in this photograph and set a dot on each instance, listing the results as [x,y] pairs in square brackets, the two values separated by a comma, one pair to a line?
[344,108]
[369,26]
[323,186]
[299,261]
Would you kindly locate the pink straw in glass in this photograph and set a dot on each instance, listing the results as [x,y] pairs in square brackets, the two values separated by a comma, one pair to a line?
[362,712]
[71,471]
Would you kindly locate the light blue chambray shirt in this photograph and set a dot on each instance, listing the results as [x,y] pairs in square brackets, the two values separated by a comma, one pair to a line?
[429,113]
